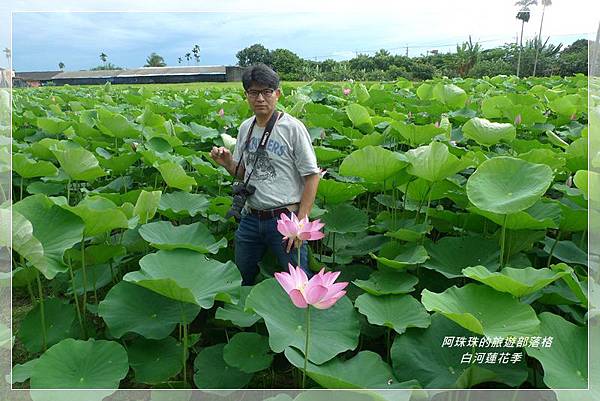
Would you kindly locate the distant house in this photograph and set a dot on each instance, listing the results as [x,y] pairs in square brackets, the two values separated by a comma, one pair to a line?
[144,75]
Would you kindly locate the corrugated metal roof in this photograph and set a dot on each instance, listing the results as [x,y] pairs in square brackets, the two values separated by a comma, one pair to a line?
[144,71]
[36,75]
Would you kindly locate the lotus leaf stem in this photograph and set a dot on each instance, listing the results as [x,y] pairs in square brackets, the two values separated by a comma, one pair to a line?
[502,238]
[75,297]
[42,312]
[556,240]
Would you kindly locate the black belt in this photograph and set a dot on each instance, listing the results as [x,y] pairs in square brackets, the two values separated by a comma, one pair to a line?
[268,214]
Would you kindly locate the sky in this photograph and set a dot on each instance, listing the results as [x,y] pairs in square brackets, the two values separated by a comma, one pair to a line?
[128,31]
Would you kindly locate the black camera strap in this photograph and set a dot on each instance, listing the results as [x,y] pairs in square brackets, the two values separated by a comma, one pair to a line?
[262,144]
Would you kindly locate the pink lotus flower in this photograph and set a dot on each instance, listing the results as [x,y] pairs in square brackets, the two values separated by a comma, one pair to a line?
[574,116]
[347,91]
[437,124]
[320,291]
[296,231]
[518,119]
[221,112]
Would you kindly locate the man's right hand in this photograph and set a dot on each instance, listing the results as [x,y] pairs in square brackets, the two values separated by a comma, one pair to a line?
[222,155]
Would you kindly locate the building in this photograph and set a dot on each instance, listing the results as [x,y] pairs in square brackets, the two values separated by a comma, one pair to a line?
[144,75]
[33,78]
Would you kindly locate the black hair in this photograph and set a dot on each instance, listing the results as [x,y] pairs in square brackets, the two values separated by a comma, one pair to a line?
[260,74]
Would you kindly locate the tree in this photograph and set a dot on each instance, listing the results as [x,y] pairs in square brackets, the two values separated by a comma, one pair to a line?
[574,58]
[545,3]
[7,53]
[155,60]
[107,66]
[188,57]
[103,57]
[61,65]
[524,16]
[287,63]
[179,60]
[467,56]
[196,51]
[254,54]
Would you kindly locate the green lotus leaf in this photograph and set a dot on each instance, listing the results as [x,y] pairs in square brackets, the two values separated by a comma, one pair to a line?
[47,188]
[76,364]
[213,372]
[118,164]
[581,179]
[180,203]
[22,373]
[98,254]
[373,163]
[146,205]
[248,352]
[360,117]
[97,276]
[154,361]
[418,354]
[425,91]
[41,149]
[175,176]
[540,216]
[99,214]
[59,318]
[236,313]
[332,191]
[52,125]
[78,162]
[395,311]
[487,133]
[567,251]
[567,105]
[388,281]
[554,160]
[518,282]
[345,218]
[23,241]
[197,237]
[577,155]
[29,168]
[434,162]
[450,255]
[415,134]
[493,188]
[347,374]
[575,217]
[401,256]
[55,228]
[287,324]
[187,276]
[450,95]
[327,155]
[116,125]
[130,308]
[483,310]
[420,189]
[565,362]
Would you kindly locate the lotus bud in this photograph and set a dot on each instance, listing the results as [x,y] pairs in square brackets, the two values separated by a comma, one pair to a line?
[518,119]
[221,112]
[347,91]
[573,116]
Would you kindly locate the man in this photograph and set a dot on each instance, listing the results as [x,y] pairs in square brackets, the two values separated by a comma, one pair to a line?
[284,173]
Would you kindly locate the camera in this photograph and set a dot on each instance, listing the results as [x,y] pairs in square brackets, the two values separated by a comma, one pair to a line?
[241,192]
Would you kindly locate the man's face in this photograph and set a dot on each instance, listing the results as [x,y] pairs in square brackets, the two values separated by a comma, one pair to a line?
[262,99]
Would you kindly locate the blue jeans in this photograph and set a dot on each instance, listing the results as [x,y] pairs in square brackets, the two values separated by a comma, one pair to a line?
[251,240]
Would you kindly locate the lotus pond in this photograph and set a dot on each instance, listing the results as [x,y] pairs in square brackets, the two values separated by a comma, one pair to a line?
[456,209]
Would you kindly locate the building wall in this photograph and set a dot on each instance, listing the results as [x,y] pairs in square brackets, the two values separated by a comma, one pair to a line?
[157,79]
[234,74]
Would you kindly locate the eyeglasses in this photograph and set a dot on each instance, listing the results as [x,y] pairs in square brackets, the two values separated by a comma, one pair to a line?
[265,92]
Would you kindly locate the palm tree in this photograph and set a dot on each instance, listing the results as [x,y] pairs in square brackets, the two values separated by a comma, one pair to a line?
[188,57]
[7,53]
[179,60]
[155,60]
[523,15]
[196,51]
[61,65]
[103,57]
[545,3]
